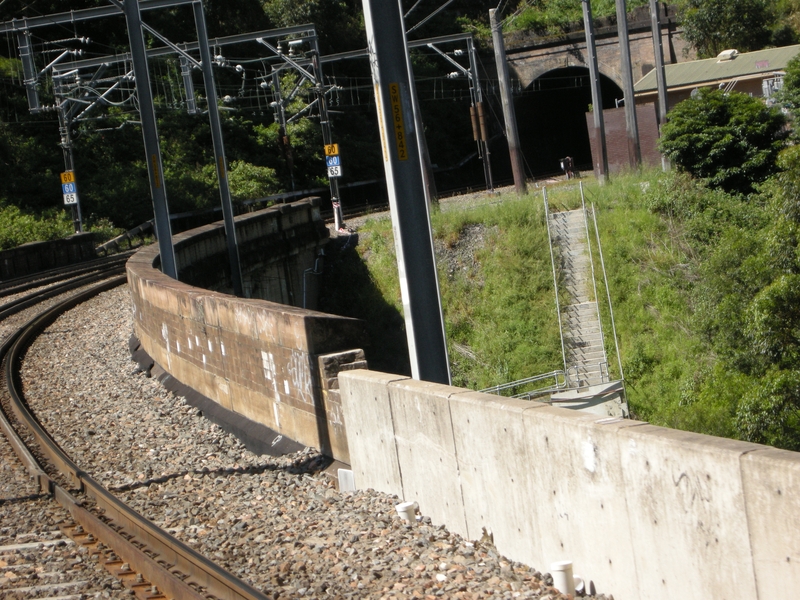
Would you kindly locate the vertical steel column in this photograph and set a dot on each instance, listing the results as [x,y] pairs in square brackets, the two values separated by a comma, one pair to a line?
[634,151]
[477,94]
[188,86]
[219,148]
[512,136]
[661,74]
[280,117]
[658,50]
[152,148]
[28,70]
[64,125]
[419,286]
[327,137]
[601,166]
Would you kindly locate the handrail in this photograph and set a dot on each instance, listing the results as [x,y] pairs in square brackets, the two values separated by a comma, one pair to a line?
[608,292]
[594,278]
[504,386]
[555,279]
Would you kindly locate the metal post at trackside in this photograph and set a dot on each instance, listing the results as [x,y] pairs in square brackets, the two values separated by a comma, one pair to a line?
[601,164]
[634,151]
[661,74]
[327,135]
[219,148]
[512,136]
[155,169]
[419,286]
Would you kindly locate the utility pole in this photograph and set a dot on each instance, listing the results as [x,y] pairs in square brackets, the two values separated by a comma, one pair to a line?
[634,151]
[327,137]
[155,169]
[219,149]
[661,75]
[65,127]
[517,166]
[600,167]
[419,286]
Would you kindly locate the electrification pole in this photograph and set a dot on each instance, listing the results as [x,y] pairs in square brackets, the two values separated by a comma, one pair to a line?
[600,167]
[155,169]
[419,286]
[634,151]
[219,149]
[661,75]
[517,166]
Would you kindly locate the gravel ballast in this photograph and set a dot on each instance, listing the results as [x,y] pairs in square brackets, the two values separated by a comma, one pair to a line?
[278,523]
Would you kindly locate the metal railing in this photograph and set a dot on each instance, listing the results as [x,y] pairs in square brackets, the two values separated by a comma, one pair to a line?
[559,378]
[555,277]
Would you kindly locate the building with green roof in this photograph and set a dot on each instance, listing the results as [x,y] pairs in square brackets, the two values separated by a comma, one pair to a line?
[756,73]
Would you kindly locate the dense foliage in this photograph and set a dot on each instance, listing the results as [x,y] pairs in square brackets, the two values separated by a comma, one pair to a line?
[730,140]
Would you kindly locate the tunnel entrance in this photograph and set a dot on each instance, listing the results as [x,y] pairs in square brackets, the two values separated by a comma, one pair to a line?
[551,118]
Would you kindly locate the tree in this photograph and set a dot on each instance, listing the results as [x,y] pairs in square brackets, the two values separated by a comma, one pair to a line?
[712,26]
[730,140]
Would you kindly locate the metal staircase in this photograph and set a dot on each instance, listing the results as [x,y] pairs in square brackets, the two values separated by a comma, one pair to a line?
[586,382]
[582,330]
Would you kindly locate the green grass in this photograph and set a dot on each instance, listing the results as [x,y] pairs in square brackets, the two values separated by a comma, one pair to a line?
[500,309]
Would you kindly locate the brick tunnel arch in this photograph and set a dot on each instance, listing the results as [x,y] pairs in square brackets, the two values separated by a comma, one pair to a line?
[551,118]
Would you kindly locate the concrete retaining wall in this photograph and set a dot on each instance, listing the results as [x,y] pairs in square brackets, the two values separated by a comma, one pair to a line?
[42,256]
[273,363]
[643,511]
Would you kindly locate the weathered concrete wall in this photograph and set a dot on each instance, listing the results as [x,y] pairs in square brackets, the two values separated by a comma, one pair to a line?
[42,256]
[643,511]
[273,363]
[276,246]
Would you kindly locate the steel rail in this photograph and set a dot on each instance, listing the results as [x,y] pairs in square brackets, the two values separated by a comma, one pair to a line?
[175,569]
[20,304]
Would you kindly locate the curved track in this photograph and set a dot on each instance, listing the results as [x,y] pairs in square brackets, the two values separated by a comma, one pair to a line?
[148,560]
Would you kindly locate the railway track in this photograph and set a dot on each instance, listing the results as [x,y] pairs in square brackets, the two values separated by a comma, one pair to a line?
[146,559]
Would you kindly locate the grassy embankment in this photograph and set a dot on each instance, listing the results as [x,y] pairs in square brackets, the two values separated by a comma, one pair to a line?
[500,308]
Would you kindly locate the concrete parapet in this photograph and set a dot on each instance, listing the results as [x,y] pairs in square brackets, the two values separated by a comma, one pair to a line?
[35,257]
[642,511]
[273,363]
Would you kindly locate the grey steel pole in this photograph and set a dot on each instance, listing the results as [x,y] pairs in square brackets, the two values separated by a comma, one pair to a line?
[219,148]
[658,50]
[327,136]
[601,166]
[419,286]
[634,151]
[152,147]
[517,166]
[661,74]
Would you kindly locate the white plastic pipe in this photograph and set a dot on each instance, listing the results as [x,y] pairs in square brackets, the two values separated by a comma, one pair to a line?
[407,511]
[563,579]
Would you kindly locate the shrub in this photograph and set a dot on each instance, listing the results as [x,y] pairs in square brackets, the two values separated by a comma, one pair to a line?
[728,139]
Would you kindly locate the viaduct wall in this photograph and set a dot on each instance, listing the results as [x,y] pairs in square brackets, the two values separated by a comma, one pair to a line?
[273,363]
[42,256]
[643,511]
[530,57]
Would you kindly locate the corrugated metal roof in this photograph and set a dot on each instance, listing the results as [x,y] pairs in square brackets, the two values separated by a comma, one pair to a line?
[712,70]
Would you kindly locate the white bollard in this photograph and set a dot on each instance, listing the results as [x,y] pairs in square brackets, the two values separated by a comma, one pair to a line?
[563,580]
